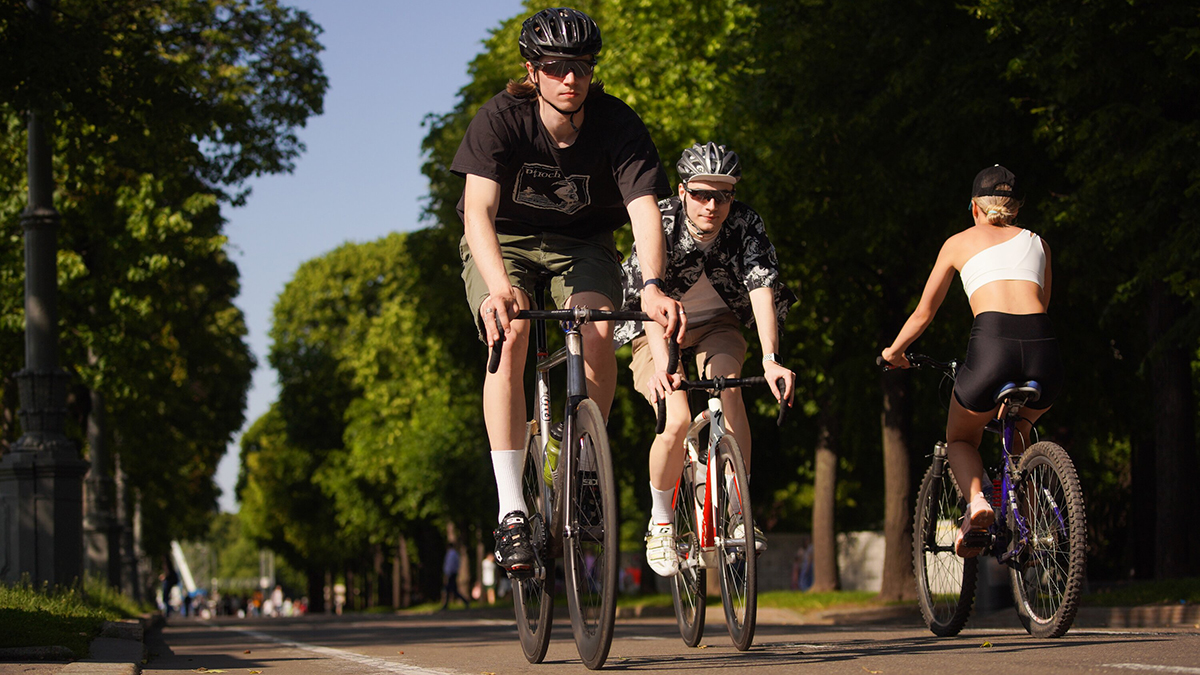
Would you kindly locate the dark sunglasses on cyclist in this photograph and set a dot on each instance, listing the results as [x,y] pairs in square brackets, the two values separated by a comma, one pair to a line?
[559,69]
[702,196]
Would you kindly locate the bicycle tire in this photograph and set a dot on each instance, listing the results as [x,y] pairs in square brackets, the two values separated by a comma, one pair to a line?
[592,588]
[1047,578]
[688,586]
[533,597]
[737,562]
[946,583]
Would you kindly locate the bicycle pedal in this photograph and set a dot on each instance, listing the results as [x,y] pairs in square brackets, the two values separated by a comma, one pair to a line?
[977,539]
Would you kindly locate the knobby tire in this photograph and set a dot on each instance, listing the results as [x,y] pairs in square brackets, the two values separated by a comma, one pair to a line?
[945,582]
[1047,578]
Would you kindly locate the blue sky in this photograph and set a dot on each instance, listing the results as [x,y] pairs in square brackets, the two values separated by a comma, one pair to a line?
[389,64]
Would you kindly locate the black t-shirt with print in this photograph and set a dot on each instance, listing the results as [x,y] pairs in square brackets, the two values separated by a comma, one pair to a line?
[581,190]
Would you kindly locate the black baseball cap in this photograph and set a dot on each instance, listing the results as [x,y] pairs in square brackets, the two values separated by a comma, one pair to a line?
[995,181]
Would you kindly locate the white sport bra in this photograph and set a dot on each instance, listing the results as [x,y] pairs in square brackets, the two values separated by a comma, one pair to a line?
[1021,258]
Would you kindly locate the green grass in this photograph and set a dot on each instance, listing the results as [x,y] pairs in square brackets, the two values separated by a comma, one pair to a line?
[1133,593]
[63,617]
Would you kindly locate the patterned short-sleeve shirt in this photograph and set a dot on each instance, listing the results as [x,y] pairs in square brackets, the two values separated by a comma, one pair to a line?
[739,261]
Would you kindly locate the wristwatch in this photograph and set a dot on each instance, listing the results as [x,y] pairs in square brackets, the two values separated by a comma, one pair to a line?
[772,357]
[655,281]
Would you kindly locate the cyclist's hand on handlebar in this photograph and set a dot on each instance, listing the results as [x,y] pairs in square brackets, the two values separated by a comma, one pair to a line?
[774,371]
[661,384]
[666,312]
[500,306]
[896,358]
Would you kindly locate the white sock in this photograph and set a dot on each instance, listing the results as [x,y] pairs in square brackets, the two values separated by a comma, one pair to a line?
[508,466]
[661,510]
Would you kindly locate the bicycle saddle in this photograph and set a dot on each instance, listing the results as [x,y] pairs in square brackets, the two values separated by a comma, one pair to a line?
[1031,391]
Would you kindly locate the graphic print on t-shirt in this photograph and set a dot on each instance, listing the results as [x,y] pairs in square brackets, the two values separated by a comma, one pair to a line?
[544,187]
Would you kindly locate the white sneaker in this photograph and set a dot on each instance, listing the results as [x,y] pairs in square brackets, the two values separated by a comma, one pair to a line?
[660,549]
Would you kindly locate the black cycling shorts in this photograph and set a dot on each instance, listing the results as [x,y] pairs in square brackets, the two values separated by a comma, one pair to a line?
[1008,348]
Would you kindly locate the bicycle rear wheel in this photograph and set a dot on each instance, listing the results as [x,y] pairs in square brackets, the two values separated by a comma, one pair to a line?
[533,597]
[737,559]
[945,582]
[1047,577]
[687,587]
[591,551]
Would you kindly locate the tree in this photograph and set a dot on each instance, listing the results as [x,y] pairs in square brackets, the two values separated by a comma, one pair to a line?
[1111,99]
[159,109]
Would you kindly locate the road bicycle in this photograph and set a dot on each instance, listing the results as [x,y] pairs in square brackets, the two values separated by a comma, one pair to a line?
[573,504]
[714,525]
[1039,532]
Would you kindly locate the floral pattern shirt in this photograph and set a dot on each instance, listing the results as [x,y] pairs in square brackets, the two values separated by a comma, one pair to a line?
[739,261]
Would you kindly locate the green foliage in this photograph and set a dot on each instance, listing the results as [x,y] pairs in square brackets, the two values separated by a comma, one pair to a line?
[158,109]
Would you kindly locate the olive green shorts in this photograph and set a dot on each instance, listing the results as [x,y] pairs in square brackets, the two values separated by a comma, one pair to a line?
[574,265]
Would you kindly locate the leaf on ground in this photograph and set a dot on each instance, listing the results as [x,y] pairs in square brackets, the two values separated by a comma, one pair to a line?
[246,652]
[256,672]
[986,645]
[873,672]
[399,652]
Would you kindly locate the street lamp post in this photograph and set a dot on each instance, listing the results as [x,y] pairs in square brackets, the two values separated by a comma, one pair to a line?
[41,475]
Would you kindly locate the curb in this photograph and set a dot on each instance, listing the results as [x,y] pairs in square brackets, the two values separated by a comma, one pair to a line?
[119,650]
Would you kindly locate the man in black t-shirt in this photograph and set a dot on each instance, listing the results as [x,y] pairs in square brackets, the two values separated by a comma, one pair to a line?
[553,165]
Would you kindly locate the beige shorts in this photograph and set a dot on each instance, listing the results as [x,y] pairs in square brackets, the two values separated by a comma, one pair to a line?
[574,265]
[720,335]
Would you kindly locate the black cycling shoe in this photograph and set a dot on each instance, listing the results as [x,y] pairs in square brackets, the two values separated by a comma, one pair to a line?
[514,544]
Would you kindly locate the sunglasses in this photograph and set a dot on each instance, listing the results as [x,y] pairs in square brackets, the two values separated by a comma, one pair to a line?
[559,69]
[703,196]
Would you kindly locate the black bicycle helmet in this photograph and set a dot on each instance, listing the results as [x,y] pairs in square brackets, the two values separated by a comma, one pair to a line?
[559,31]
[709,162]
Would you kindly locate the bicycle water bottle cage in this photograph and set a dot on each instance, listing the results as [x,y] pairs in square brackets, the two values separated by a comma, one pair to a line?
[1027,392]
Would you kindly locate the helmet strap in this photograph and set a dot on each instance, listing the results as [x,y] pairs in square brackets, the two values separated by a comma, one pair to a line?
[569,114]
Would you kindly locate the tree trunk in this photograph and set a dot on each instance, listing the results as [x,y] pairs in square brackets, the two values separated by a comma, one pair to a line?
[375,597]
[405,584]
[315,578]
[897,581]
[825,570]
[1174,437]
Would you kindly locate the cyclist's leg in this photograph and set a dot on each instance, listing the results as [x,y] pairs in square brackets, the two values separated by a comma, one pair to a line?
[964,431]
[599,357]
[721,351]
[589,273]
[504,404]
[666,450]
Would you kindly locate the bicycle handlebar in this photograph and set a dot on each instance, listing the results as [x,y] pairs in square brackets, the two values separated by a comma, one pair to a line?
[583,315]
[921,361]
[717,384]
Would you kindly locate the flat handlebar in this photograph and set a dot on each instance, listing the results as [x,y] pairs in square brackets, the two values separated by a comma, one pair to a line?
[581,315]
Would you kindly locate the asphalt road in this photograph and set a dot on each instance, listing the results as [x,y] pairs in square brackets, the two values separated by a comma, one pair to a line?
[484,642]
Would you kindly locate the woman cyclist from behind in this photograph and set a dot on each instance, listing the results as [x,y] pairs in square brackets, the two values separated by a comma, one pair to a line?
[1006,274]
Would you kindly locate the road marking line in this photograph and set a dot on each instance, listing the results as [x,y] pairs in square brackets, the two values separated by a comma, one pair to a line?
[374,662]
[1157,669]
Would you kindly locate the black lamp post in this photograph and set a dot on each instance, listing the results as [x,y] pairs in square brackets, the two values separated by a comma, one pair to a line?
[41,475]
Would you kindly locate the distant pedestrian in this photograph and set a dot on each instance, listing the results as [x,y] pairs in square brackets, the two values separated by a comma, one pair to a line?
[170,579]
[450,565]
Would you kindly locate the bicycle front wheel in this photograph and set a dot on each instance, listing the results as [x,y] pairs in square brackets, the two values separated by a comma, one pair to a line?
[533,597]
[687,587]
[945,582]
[1047,576]
[736,556]
[591,548]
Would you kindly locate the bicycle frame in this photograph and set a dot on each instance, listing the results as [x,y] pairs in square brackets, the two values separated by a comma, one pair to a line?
[1007,423]
[714,418]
